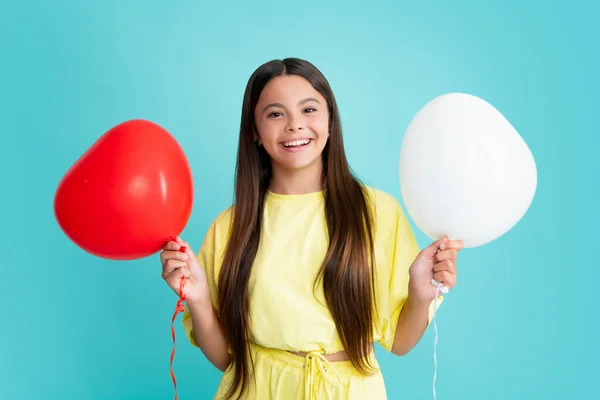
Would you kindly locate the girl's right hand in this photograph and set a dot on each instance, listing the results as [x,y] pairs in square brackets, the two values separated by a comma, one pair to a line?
[176,264]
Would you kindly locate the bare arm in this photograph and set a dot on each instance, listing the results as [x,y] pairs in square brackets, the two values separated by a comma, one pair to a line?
[208,333]
[412,323]
[438,260]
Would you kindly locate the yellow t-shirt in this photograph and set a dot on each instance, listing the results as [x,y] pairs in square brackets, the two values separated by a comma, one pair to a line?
[285,312]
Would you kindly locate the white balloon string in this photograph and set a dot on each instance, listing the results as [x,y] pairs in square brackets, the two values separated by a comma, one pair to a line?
[439,288]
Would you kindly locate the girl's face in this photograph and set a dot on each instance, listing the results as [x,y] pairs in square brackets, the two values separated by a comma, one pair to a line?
[292,122]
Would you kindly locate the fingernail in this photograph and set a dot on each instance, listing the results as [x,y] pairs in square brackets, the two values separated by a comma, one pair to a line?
[443,246]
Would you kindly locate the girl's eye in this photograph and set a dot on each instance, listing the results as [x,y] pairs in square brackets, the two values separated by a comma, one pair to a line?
[309,110]
[274,114]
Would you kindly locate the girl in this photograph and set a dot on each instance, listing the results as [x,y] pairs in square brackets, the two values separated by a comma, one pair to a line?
[295,282]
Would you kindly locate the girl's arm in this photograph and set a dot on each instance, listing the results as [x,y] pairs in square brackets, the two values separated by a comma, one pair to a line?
[437,261]
[208,333]
[412,323]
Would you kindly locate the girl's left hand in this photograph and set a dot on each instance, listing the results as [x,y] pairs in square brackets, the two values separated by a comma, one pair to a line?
[437,261]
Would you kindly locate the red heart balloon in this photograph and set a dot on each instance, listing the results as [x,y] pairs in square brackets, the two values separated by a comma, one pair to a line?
[129,193]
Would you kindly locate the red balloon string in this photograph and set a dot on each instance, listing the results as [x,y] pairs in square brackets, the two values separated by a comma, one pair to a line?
[178,308]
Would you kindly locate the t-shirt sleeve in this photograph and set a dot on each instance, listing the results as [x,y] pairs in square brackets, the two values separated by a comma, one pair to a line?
[401,249]
[207,259]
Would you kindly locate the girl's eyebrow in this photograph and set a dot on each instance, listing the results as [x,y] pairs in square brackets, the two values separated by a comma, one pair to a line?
[299,103]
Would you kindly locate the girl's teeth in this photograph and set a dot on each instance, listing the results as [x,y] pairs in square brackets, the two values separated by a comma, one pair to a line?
[296,143]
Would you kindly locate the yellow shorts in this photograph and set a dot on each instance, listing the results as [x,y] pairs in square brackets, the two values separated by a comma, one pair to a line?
[281,375]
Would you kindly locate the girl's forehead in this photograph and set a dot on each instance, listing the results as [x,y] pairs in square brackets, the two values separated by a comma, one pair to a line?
[288,88]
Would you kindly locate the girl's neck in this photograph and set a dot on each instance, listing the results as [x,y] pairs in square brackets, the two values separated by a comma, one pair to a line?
[297,181]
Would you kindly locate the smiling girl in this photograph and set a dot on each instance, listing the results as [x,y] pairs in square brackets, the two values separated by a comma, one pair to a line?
[297,280]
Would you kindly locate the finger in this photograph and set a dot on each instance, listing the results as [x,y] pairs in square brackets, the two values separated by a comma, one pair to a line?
[188,248]
[166,255]
[431,250]
[454,244]
[171,265]
[444,255]
[171,245]
[450,281]
[184,245]
[446,265]
[446,278]
[174,280]
[185,271]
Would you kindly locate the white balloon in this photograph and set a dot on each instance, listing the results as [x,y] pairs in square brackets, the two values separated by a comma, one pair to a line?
[465,172]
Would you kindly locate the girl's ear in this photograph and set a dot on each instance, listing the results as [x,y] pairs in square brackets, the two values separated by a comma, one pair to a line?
[256,137]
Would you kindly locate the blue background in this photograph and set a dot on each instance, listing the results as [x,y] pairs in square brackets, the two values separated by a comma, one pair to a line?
[521,324]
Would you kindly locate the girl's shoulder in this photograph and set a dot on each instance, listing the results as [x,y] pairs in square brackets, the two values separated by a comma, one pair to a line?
[390,222]
[221,223]
[382,203]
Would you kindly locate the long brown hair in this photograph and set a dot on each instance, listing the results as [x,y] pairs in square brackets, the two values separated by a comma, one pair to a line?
[346,272]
